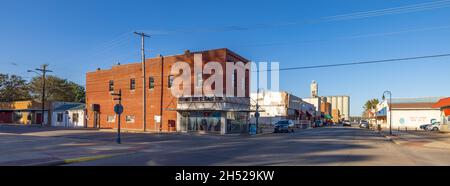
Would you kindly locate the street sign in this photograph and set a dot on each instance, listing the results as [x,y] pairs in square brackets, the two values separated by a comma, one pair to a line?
[118,109]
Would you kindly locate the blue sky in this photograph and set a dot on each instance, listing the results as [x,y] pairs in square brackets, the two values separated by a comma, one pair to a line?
[77,36]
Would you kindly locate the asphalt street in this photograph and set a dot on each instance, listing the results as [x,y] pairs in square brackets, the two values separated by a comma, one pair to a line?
[321,146]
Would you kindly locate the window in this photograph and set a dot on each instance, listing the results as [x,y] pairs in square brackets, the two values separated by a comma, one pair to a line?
[129,119]
[132,84]
[170,81]
[75,117]
[111,85]
[111,119]
[199,80]
[59,117]
[151,83]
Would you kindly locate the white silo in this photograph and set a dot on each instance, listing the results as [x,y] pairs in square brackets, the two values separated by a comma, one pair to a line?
[314,89]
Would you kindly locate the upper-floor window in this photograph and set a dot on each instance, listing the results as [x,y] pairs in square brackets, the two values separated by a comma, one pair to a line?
[111,85]
[151,83]
[132,84]
[170,82]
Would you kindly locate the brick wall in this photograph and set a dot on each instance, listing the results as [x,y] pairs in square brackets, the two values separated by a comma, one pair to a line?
[159,100]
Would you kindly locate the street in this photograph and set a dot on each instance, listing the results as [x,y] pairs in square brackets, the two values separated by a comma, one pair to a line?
[333,146]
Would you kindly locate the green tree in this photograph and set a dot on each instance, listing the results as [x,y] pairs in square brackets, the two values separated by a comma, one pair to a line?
[369,105]
[13,88]
[57,89]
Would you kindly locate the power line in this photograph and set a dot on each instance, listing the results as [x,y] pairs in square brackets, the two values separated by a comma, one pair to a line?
[341,17]
[362,62]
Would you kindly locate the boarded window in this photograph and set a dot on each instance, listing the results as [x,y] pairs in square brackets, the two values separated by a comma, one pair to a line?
[170,81]
[111,119]
[129,119]
[132,84]
[111,85]
[151,83]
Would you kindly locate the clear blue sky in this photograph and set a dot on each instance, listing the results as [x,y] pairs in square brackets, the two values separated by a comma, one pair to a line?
[77,36]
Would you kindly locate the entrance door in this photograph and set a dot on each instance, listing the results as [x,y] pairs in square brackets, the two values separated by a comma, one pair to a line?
[96,120]
[39,119]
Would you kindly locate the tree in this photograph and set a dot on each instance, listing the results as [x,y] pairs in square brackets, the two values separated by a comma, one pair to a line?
[369,105]
[13,88]
[57,89]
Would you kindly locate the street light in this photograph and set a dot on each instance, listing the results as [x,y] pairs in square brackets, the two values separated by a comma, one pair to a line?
[390,109]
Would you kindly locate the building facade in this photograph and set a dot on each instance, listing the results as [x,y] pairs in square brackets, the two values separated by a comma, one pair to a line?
[164,111]
[24,112]
[276,106]
[407,112]
[71,115]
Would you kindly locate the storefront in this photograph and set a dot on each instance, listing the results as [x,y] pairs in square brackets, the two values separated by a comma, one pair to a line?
[222,116]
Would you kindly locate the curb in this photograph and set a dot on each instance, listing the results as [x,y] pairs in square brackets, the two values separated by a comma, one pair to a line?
[391,139]
[74,160]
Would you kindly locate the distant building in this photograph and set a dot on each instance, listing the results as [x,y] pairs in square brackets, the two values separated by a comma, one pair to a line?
[275,106]
[408,112]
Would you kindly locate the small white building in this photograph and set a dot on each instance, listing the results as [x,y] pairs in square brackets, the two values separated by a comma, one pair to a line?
[408,112]
[70,115]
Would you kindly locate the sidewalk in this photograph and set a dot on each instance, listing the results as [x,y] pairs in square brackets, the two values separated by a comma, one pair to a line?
[25,150]
[419,138]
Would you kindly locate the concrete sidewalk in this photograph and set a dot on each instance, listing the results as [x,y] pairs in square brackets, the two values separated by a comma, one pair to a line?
[419,138]
[26,150]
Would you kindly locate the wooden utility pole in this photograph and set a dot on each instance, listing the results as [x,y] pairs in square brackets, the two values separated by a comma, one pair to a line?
[43,71]
[144,78]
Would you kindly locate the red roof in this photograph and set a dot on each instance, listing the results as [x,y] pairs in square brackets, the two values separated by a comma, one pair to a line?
[445,102]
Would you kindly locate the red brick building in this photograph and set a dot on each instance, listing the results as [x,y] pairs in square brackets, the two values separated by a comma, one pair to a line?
[177,114]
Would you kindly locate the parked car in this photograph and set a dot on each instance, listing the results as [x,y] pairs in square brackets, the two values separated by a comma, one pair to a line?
[434,127]
[284,126]
[425,126]
[346,123]
[364,124]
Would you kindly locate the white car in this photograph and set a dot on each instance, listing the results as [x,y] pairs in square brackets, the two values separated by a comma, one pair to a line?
[434,127]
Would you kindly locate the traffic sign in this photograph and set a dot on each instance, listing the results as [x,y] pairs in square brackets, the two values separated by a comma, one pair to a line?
[118,109]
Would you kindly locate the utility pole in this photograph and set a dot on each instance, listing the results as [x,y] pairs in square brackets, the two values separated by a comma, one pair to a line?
[144,89]
[43,71]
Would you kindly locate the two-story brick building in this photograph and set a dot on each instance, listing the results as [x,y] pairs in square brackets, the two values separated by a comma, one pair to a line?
[164,111]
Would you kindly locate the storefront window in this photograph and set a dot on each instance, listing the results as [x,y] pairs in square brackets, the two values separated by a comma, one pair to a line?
[201,121]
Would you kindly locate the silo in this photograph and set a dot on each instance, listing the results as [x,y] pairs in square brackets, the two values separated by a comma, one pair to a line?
[314,89]
[347,107]
[340,105]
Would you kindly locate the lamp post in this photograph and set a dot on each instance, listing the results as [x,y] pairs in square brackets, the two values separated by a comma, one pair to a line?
[390,109]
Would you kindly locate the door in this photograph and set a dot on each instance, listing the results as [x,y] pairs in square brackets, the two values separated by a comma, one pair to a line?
[6,117]
[39,118]
[96,120]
